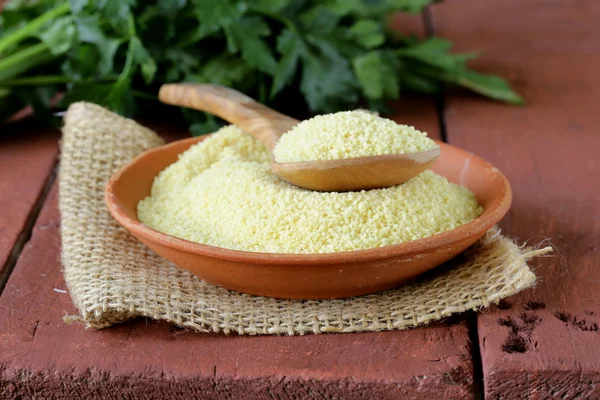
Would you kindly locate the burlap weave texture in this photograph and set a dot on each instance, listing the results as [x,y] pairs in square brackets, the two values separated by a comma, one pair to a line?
[113,277]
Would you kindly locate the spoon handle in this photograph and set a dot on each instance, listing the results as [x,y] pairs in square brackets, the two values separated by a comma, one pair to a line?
[262,122]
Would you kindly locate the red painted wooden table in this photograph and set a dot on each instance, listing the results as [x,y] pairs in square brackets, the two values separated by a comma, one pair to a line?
[542,344]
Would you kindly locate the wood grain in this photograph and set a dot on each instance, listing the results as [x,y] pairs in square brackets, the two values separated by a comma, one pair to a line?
[42,357]
[544,343]
[27,155]
[263,123]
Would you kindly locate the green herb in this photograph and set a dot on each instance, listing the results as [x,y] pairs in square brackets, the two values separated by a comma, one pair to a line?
[300,56]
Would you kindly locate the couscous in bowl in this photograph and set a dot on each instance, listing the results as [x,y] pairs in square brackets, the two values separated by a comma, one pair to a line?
[311,276]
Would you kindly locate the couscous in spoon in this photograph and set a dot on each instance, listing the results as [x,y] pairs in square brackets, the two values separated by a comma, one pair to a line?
[267,126]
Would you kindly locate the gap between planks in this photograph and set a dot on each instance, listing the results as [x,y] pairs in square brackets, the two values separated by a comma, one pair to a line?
[25,234]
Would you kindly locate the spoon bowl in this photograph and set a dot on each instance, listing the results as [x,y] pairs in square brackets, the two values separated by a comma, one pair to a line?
[267,126]
[358,173]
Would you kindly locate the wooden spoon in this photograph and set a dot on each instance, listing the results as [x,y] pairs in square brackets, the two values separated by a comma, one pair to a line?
[267,125]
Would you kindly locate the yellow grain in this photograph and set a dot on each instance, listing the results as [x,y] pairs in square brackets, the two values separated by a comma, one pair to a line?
[221,192]
[348,134]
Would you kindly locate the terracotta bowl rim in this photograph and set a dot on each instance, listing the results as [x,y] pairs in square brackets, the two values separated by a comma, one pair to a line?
[480,225]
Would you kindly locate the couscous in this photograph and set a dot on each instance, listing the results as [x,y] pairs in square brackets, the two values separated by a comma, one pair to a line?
[348,134]
[221,192]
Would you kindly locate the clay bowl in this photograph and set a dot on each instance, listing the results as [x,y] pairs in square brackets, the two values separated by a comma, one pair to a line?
[311,276]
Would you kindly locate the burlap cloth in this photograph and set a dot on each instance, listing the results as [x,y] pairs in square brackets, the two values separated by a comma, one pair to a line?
[113,277]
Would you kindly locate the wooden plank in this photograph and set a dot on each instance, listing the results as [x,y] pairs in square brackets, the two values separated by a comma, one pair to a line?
[418,112]
[41,356]
[544,343]
[27,155]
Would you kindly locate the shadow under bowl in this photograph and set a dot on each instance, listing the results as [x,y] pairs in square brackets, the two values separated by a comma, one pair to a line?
[310,276]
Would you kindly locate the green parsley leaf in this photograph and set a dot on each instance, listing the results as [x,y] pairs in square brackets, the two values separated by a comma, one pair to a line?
[181,62]
[487,85]
[270,6]
[59,35]
[89,31]
[143,58]
[411,79]
[368,33]
[323,56]
[217,14]
[78,5]
[377,72]
[291,47]
[224,70]
[327,80]
[83,62]
[435,52]
[116,13]
[376,8]
[319,20]
[408,6]
[245,35]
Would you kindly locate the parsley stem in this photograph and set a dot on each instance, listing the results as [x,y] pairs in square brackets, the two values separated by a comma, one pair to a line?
[23,60]
[37,80]
[128,68]
[33,26]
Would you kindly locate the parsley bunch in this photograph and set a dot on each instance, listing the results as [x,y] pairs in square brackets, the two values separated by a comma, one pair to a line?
[300,56]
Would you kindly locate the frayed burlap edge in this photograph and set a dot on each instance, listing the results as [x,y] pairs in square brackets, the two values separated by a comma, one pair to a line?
[112,277]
